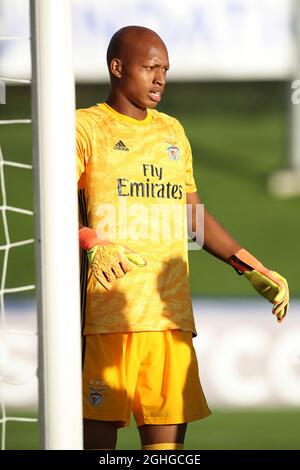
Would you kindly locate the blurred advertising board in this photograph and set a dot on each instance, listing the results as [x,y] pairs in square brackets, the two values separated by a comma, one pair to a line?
[207,40]
[245,358]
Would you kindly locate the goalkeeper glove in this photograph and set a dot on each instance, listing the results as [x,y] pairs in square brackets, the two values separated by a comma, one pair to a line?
[108,261]
[268,283]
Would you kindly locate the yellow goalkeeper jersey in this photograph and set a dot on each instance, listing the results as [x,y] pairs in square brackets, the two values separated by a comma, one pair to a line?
[133,177]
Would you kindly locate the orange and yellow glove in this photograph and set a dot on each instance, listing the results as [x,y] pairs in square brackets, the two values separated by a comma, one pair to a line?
[108,261]
[267,283]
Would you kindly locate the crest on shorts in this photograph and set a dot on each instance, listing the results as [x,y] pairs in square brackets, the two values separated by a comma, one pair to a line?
[173,152]
[96,388]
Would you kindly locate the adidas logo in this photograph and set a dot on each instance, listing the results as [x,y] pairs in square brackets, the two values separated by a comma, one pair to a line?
[121,146]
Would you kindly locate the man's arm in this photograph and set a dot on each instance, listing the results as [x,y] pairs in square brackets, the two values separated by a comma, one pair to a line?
[217,241]
[220,243]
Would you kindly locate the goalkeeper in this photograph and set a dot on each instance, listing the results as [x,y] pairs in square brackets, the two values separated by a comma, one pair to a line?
[137,318]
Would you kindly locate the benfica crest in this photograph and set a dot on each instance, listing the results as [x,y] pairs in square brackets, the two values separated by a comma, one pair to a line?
[95,392]
[173,152]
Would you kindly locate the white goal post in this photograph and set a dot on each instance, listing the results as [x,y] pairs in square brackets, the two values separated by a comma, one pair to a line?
[294,162]
[285,183]
[57,260]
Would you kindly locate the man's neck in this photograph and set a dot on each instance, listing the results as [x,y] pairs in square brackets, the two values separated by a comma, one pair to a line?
[125,107]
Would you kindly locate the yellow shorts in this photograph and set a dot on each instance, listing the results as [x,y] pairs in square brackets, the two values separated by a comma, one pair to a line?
[153,374]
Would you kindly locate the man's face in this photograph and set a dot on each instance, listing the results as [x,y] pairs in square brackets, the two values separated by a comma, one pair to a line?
[143,75]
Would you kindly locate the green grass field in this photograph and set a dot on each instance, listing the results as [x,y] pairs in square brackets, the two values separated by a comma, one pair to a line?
[223,430]
[238,134]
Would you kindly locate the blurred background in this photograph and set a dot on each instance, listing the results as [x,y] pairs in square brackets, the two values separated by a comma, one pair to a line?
[232,66]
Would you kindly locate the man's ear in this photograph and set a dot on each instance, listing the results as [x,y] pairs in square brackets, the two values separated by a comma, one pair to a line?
[116,67]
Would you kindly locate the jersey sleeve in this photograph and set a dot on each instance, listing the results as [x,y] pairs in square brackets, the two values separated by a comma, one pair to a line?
[190,185]
[84,133]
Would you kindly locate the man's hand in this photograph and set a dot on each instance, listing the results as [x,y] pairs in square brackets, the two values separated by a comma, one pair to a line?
[112,261]
[108,261]
[267,283]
